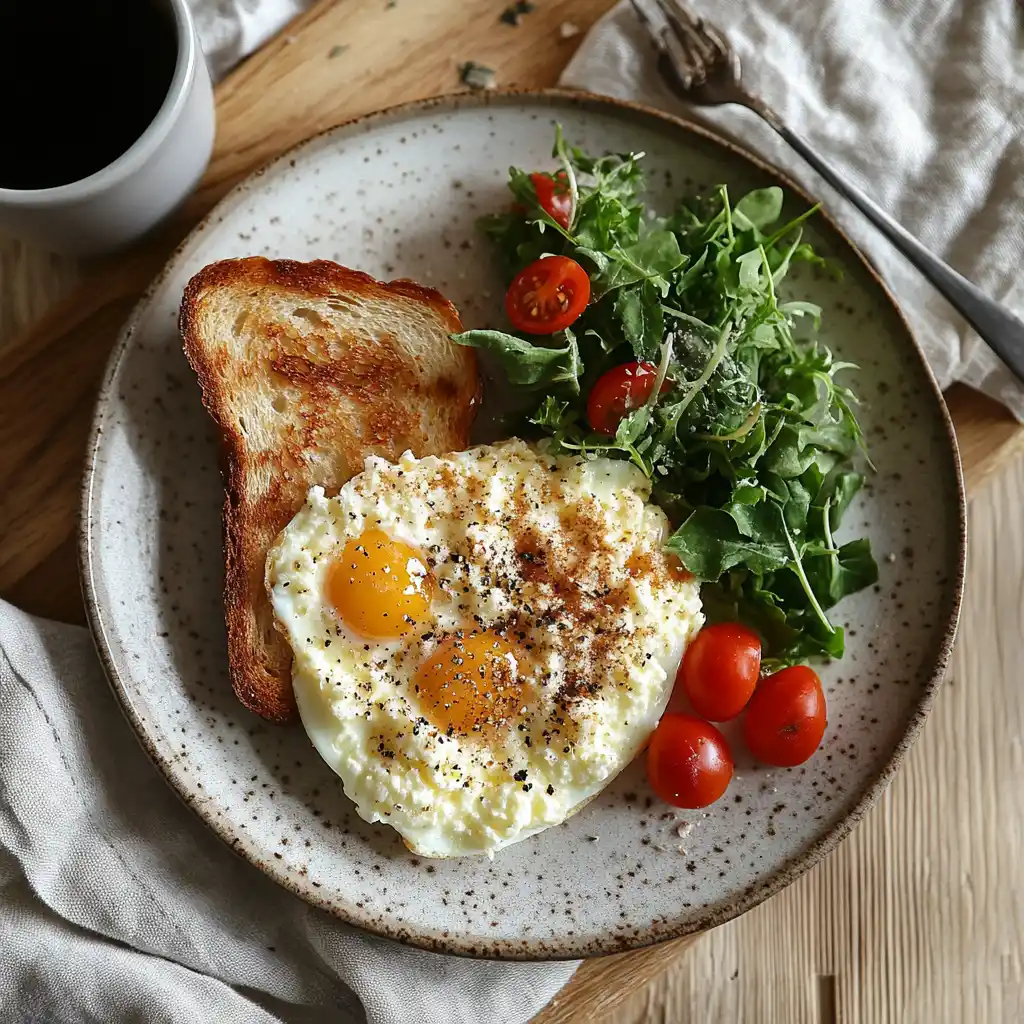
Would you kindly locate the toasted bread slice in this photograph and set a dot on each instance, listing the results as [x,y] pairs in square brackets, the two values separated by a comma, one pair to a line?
[308,368]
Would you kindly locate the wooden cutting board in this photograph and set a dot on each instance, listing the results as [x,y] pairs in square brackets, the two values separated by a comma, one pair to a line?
[340,60]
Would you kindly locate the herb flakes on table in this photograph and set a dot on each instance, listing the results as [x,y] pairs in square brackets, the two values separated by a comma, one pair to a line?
[753,447]
[477,76]
[513,14]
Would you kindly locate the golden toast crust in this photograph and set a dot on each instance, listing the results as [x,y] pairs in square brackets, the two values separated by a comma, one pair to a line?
[308,368]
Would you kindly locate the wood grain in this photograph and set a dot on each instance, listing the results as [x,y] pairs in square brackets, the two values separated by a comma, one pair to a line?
[988,436]
[600,986]
[879,931]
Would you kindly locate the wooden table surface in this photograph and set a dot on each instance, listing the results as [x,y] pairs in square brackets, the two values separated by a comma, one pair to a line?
[919,915]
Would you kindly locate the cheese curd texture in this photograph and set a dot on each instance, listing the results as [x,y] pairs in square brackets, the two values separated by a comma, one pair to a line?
[562,559]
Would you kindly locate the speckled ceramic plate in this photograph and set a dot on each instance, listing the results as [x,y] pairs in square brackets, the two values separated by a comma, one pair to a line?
[396,194]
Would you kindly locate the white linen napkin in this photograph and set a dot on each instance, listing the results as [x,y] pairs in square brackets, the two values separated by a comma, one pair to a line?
[232,29]
[117,904]
[920,104]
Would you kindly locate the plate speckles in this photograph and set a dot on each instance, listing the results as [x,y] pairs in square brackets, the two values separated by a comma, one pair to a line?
[619,874]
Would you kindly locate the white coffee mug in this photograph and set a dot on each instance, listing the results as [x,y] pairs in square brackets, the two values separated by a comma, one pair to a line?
[123,200]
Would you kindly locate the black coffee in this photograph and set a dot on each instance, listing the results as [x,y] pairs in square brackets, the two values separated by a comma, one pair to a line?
[80,81]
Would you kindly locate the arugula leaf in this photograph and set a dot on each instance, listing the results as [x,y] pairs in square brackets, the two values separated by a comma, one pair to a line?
[758,209]
[528,365]
[642,318]
[653,258]
[711,541]
[799,308]
[850,569]
[842,487]
[552,414]
[749,494]
[632,426]
[762,520]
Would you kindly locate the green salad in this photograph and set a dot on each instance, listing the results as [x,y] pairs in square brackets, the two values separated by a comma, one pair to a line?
[668,341]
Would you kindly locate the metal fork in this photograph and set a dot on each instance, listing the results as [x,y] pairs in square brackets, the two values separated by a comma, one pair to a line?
[701,67]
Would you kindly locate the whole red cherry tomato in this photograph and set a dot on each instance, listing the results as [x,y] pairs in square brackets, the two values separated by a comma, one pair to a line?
[786,717]
[688,761]
[720,670]
[554,196]
[548,296]
[619,391]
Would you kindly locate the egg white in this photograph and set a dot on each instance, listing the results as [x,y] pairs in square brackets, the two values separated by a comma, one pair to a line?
[603,638]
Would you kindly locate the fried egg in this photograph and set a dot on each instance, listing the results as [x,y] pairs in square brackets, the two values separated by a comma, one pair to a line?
[482,641]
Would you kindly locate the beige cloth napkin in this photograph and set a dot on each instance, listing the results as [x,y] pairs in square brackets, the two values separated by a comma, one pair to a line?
[117,904]
[920,104]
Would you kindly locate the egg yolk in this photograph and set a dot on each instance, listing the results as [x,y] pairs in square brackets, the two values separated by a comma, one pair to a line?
[470,682]
[380,587]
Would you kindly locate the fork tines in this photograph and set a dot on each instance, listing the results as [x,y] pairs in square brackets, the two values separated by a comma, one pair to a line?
[690,43]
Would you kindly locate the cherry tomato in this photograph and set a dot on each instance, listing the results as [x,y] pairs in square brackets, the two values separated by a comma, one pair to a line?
[688,761]
[554,196]
[785,718]
[548,295]
[617,392]
[720,670]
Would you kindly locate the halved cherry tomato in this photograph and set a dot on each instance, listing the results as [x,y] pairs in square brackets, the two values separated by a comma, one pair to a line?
[688,761]
[720,670]
[554,196]
[617,392]
[548,295]
[786,717]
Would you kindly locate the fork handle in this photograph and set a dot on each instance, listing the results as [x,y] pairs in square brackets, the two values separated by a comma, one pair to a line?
[996,325]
